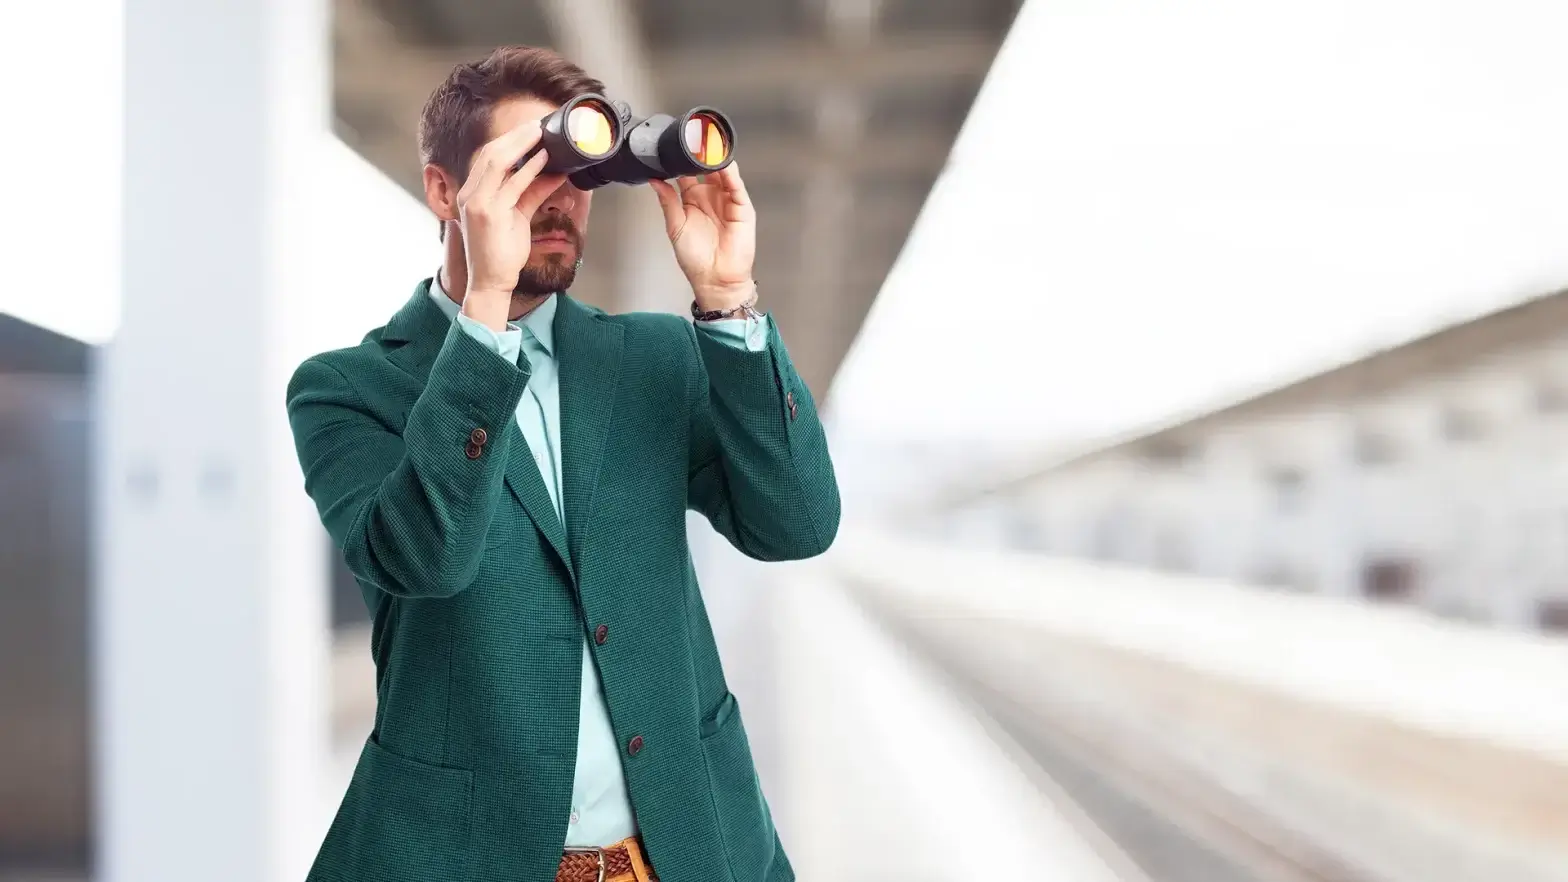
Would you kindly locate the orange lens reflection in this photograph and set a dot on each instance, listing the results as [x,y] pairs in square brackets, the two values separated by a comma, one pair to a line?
[704,140]
[590,130]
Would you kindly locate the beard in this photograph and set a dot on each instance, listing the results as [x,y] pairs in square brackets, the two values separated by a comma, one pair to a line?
[546,274]
[549,273]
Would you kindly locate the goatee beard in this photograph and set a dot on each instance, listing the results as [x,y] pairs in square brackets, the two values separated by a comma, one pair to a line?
[556,273]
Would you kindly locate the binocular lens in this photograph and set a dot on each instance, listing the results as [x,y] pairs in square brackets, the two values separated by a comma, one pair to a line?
[590,129]
[582,132]
[704,139]
[608,146]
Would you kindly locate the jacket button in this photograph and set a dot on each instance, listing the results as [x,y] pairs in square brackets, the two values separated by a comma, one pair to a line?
[601,634]
[473,450]
[634,746]
[790,400]
[478,437]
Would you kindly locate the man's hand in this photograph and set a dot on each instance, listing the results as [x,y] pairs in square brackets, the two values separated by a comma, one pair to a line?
[713,226]
[495,210]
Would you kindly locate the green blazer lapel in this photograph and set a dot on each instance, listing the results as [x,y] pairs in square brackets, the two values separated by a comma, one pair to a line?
[589,347]
[525,482]
[417,332]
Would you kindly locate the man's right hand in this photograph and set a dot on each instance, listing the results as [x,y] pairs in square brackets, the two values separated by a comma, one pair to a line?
[495,209]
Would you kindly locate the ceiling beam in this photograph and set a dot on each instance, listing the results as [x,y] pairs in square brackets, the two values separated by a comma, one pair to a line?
[747,70]
[808,67]
[922,152]
[883,217]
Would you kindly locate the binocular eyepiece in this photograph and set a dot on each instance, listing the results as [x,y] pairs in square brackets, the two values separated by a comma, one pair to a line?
[596,142]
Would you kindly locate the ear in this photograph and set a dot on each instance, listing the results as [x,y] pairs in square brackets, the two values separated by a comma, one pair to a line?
[440,192]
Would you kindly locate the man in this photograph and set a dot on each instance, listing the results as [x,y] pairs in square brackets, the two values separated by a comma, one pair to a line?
[507,472]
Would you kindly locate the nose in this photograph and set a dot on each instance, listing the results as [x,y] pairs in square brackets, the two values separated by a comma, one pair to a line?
[563,199]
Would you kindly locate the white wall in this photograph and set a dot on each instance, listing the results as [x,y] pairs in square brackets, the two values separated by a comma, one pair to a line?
[63,260]
[385,245]
[61,85]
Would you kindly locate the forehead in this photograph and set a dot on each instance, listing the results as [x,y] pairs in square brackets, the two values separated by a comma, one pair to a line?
[510,113]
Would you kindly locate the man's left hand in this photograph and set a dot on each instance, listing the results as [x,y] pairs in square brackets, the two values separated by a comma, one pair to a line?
[712,224]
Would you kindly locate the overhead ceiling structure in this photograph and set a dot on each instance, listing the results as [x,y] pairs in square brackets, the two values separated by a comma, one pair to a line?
[844,111]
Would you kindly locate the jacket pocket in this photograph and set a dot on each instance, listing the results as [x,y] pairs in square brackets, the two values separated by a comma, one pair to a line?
[401,821]
[745,825]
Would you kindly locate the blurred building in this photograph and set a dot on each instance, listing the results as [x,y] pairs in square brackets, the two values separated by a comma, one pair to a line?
[44,793]
[1434,472]
[45,626]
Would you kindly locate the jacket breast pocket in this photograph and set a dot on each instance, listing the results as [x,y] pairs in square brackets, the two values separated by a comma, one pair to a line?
[401,821]
[745,825]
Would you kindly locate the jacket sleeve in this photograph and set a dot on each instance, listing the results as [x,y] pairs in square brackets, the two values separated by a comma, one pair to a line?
[759,468]
[409,513]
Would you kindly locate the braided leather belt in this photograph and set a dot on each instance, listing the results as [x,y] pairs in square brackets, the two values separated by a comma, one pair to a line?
[621,862]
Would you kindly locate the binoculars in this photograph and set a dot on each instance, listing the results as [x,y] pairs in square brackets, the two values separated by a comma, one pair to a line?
[596,142]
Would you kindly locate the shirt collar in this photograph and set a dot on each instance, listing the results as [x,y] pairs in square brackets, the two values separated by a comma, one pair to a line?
[539,324]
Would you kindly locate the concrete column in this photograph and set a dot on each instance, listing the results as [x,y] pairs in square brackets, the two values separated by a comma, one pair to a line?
[828,209]
[603,37]
[211,638]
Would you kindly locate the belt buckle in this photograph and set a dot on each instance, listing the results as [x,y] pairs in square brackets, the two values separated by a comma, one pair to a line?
[595,850]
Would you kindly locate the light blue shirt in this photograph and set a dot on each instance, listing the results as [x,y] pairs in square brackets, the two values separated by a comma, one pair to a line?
[601,809]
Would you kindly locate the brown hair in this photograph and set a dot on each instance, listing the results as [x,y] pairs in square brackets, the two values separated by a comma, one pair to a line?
[456,120]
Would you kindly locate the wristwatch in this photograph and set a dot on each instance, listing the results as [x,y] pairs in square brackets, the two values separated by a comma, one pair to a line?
[746,310]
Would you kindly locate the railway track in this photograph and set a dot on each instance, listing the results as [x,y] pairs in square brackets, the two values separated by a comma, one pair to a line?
[1152,816]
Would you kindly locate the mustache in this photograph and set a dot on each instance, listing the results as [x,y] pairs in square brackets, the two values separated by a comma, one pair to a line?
[557,223]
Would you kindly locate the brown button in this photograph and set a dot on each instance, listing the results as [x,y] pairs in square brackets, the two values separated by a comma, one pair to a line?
[790,399]
[478,437]
[601,634]
[473,450]
[634,746]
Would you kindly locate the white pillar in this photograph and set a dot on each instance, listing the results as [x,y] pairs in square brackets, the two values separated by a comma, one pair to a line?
[602,36]
[211,634]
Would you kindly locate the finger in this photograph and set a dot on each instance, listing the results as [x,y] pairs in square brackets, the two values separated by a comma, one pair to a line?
[700,191]
[670,203]
[734,188]
[511,190]
[495,159]
[541,189]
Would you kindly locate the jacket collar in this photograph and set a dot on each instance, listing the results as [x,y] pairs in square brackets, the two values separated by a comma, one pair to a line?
[538,325]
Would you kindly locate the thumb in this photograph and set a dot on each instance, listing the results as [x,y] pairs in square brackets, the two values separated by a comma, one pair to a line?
[670,202]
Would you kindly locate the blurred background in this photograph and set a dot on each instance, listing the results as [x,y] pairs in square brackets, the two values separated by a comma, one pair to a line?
[1197,376]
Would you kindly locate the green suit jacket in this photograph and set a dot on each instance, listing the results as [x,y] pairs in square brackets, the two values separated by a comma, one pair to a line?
[480,600]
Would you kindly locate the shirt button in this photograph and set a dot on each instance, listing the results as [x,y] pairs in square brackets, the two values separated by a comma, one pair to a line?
[601,634]
[634,746]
